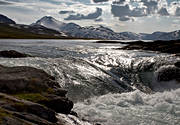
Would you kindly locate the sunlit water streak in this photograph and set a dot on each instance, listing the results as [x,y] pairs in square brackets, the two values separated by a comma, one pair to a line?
[109,86]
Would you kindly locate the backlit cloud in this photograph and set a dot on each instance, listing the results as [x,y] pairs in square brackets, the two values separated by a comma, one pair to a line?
[93,15]
[120,15]
[98,1]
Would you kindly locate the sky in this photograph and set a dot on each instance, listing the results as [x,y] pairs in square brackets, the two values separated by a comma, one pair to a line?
[139,16]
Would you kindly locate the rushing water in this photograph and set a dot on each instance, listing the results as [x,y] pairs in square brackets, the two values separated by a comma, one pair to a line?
[109,86]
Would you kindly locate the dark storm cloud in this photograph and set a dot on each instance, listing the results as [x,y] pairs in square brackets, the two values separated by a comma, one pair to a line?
[119,2]
[98,1]
[124,18]
[98,20]
[177,13]
[4,3]
[151,5]
[163,12]
[65,12]
[94,15]
[124,12]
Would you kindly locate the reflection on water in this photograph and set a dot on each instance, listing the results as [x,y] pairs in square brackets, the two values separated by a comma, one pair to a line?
[108,85]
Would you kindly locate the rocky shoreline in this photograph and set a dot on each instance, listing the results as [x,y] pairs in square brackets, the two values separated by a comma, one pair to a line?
[30,96]
[171,47]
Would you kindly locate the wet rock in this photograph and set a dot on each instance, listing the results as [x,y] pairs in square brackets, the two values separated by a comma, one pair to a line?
[59,104]
[31,96]
[177,64]
[25,79]
[171,46]
[15,107]
[168,73]
[13,54]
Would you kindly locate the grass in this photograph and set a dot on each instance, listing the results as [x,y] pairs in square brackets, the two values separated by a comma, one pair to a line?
[4,113]
[10,32]
[15,33]
[34,97]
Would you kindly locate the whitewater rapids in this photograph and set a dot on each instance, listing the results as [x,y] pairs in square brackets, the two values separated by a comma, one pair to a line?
[109,86]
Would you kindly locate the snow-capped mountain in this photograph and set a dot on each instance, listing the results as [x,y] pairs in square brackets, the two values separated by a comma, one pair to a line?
[75,30]
[9,29]
[5,19]
[50,22]
[153,36]
[102,32]
[131,35]
[170,36]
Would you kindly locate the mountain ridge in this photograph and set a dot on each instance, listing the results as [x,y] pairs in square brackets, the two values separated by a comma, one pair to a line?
[51,27]
[102,32]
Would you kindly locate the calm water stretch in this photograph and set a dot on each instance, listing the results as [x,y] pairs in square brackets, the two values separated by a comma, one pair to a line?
[109,86]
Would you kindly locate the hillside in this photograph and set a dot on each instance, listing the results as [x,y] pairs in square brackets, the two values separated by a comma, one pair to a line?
[16,31]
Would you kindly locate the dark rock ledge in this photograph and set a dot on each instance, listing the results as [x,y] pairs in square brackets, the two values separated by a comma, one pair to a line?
[29,96]
[13,54]
[171,47]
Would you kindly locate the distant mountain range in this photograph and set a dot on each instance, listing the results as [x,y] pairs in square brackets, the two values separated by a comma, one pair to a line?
[102,32]
[76,31]
[9,29]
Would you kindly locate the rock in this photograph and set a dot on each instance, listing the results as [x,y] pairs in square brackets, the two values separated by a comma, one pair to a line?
[58,104]
[177,64]
[171,46]
[15,80]
[6,20]
[31,96]
[168,74]
[15,107]
[13,54]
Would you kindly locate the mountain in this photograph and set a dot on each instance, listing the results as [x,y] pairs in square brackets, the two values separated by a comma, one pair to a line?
[25,31]
[49,27]
[75,30]
[9,29]
[4,19]
[50,22]
[170,36]
[102,32]
[131,35]
[153,36]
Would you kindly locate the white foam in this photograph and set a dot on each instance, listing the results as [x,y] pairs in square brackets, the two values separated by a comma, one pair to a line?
[135,108]
[70,120]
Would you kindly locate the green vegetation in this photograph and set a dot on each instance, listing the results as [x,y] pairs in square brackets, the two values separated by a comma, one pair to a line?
[34,97]
[8,31]
[20,32]
[3,113]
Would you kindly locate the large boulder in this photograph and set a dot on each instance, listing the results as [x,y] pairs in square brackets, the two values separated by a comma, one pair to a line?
[12,107]
[177,64]
[168,73]
[58,104]
[35,86]
[13,54]
[20,79]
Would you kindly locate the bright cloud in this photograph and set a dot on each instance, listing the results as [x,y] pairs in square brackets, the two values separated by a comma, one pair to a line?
[120,15]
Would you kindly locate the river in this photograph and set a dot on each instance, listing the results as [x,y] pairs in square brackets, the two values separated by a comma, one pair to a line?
[108,86]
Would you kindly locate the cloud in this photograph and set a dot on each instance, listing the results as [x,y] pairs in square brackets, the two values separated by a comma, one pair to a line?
[78,16]
[4,3]
[127,9]
[151,5]
[98,20]
[124,18]
[65,12]
[98,1]
[124,12]
[177,13]
[120,11]
[119,2]
[163,12]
